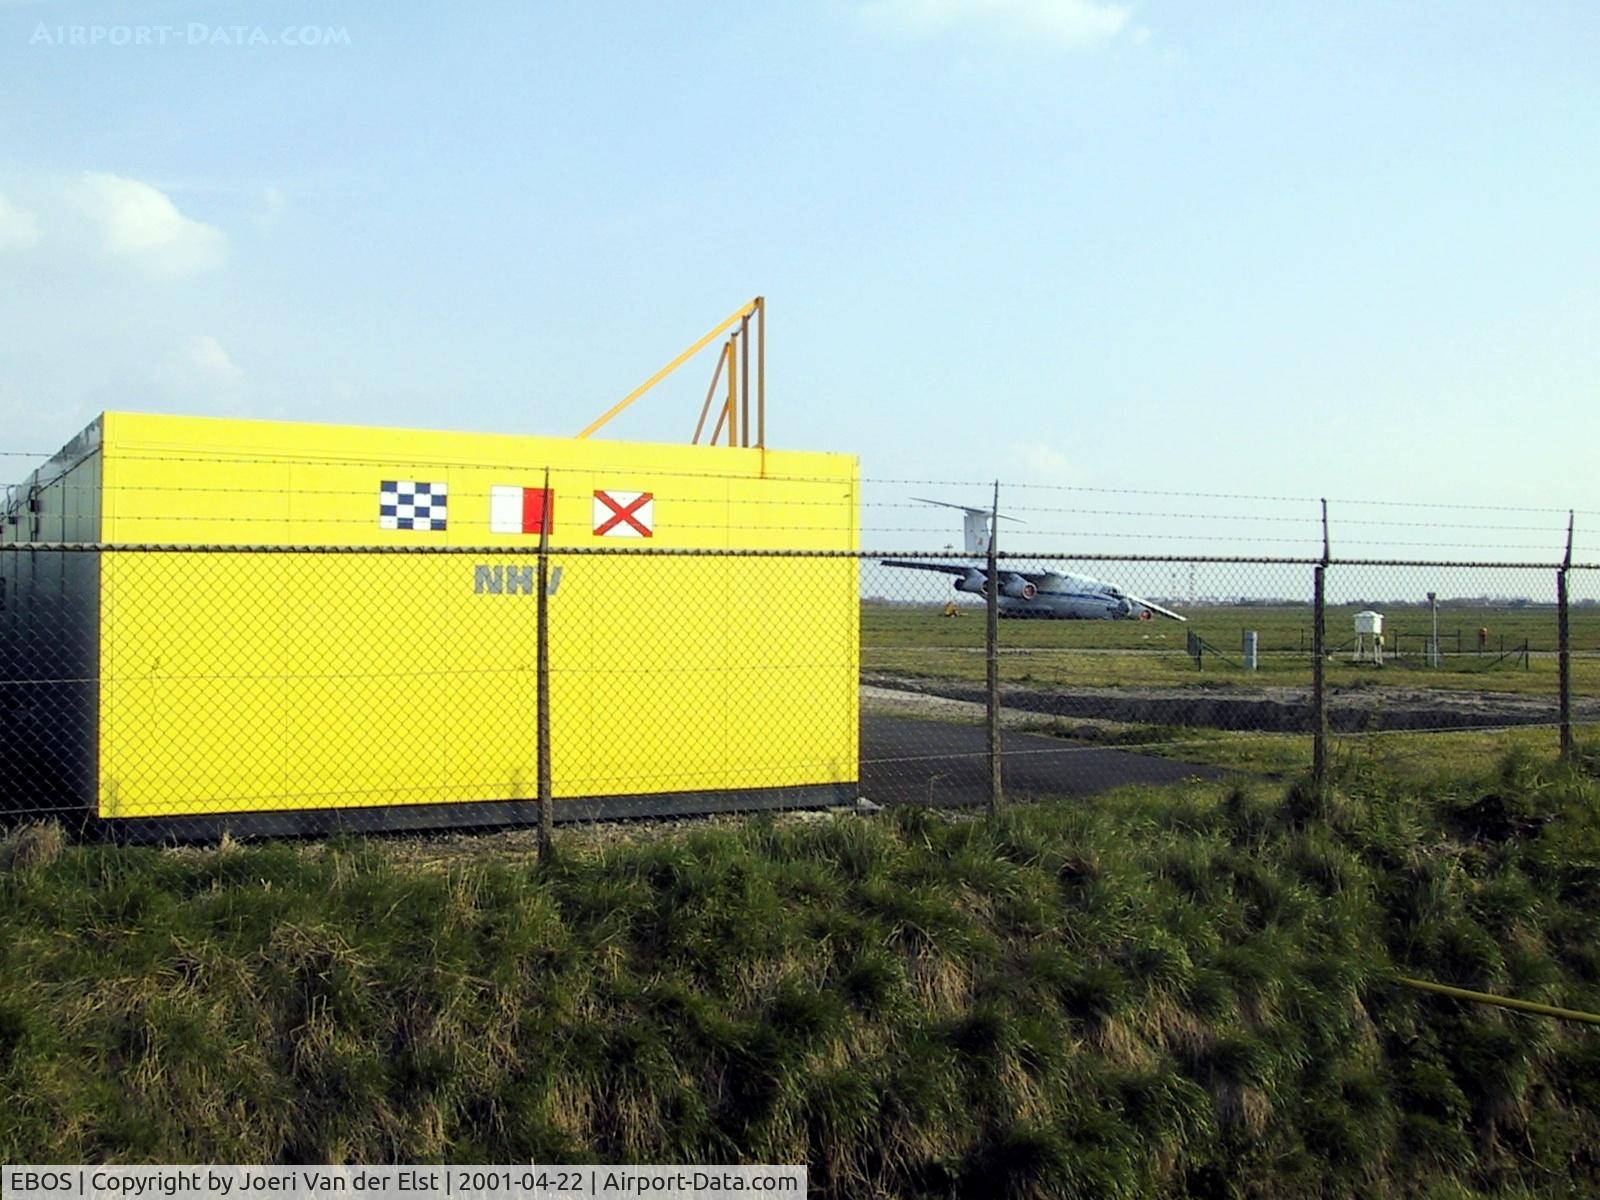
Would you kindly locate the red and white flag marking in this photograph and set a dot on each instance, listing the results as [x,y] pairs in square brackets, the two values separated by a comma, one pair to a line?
[520,509]
[624,514]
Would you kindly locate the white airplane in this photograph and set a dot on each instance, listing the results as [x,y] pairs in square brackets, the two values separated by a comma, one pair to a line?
[1042,594]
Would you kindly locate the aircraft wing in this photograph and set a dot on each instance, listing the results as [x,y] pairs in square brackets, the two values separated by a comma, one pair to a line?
[947,568]
[1156,608]
[1034,577]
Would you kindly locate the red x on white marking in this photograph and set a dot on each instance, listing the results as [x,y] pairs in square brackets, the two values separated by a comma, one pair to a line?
[624,514]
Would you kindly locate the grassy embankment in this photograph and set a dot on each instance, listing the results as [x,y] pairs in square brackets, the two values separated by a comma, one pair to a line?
[1166,994]
[920,641]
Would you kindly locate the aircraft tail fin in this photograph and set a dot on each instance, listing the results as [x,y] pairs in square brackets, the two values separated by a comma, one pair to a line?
[974,524]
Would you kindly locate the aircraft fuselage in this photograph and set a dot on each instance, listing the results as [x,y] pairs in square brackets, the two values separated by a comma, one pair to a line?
[1063,598]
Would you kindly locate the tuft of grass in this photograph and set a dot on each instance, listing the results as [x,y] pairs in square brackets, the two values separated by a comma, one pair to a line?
[32,846]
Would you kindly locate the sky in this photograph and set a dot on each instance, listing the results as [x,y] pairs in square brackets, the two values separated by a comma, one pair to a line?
[1127,258]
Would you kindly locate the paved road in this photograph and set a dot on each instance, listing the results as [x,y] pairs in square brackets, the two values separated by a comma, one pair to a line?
[908,761]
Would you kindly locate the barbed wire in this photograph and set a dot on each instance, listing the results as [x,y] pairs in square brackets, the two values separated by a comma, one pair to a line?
[1013,535]
[279,458]
[1112,512]
[843,501]
[268,459]
[789,527]
[846,494]
[1005,486]
[1012,559]
[1202,495]
[1340,523]
[286,493]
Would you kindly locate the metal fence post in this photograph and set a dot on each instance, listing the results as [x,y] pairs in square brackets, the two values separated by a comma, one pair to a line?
[992,643]
[1319,708]
[546,796]
[1319,691]
[1564,658]
[1569,750]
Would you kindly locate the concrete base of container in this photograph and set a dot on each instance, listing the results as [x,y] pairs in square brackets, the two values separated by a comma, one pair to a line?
[480,814]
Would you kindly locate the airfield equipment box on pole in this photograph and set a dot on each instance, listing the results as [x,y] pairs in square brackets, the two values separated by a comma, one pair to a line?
[303,671]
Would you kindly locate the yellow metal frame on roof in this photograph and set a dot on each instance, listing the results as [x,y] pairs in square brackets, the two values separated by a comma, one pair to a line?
[736,348]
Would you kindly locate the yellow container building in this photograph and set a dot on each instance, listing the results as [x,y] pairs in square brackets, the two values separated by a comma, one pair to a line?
[340,630]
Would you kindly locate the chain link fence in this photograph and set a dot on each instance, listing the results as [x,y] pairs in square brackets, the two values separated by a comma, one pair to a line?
[174,692]
[1421,665]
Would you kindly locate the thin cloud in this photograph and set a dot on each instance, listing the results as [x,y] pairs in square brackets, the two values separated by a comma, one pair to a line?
[210,362]
[138,223]
[199,376]
[1062,24]
[273,202]
[1044,463]
[19,228]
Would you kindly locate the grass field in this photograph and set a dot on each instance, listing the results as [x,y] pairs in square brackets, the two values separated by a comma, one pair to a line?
[1418,759]
[920,640]
[1185,993]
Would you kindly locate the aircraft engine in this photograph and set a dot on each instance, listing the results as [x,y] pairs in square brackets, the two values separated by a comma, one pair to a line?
[1013,586]
[972,581]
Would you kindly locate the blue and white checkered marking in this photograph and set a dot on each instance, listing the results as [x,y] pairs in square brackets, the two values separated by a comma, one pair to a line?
[404,504]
